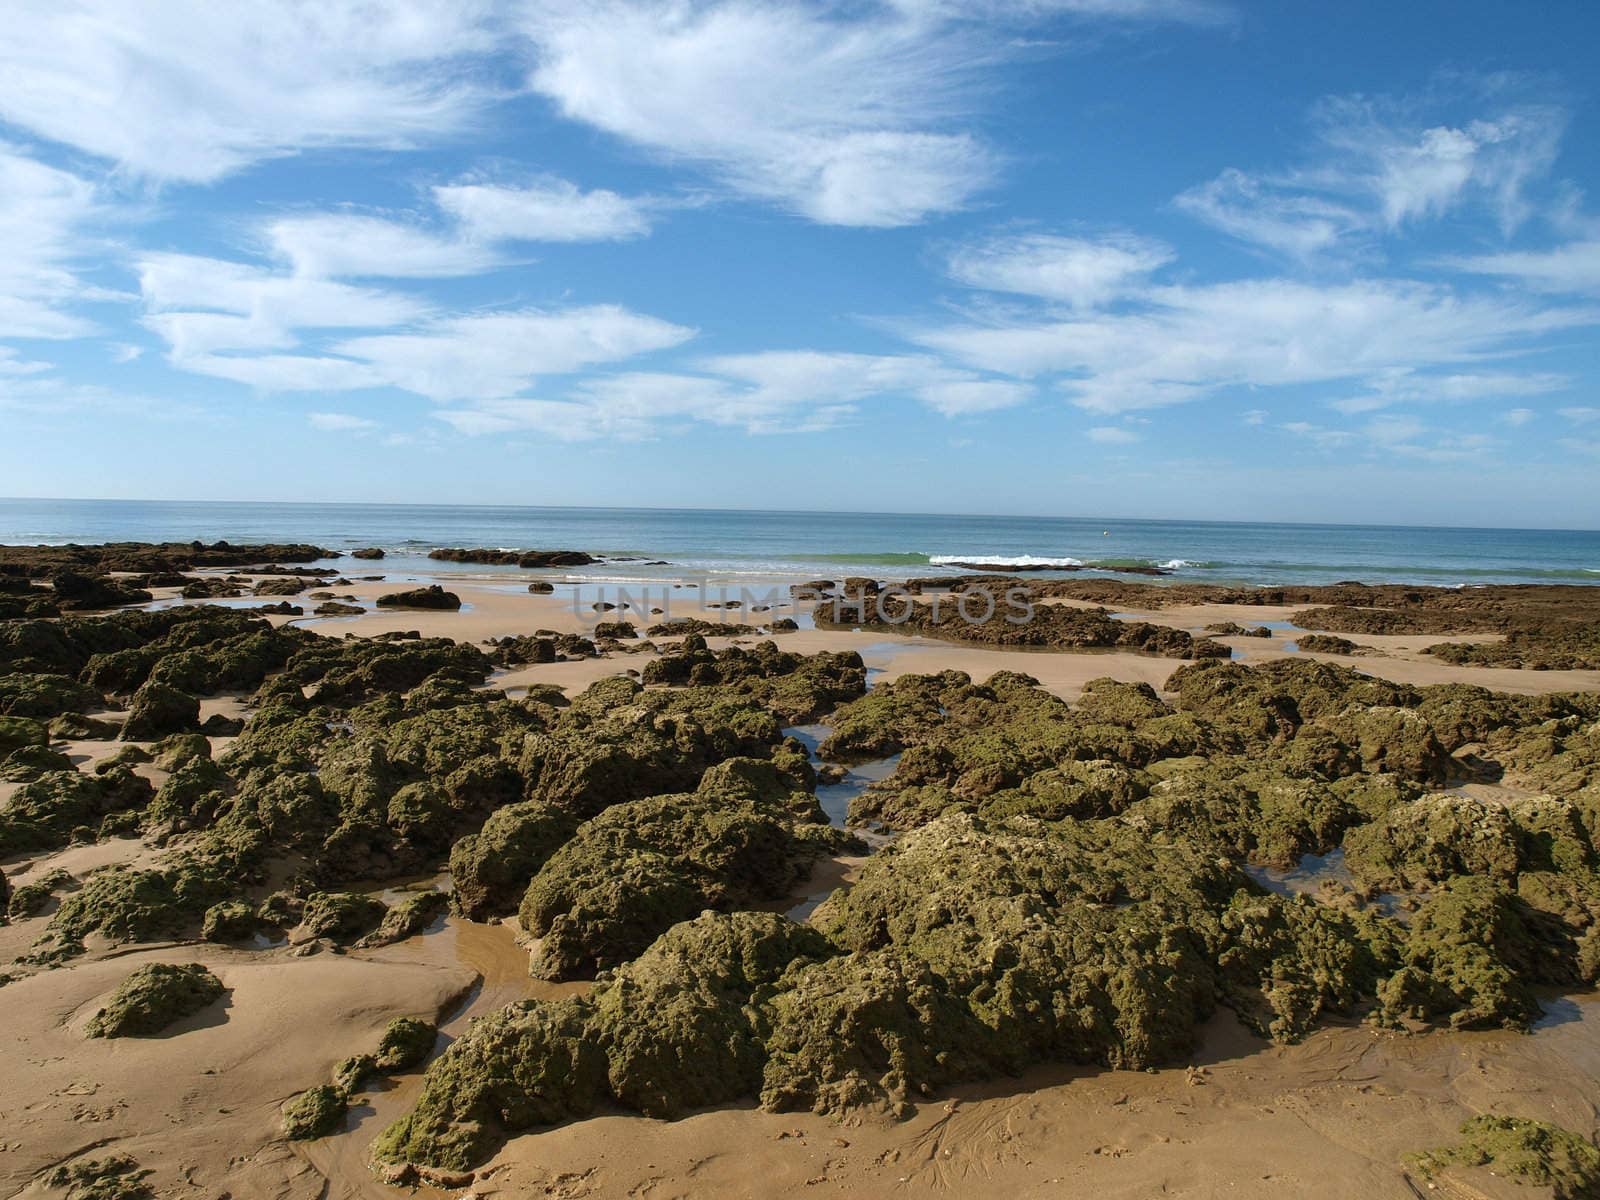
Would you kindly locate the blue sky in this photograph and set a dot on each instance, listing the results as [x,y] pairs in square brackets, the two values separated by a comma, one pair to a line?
[1076,257]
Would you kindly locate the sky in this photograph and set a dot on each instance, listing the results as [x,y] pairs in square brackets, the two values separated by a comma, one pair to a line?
[1152,258]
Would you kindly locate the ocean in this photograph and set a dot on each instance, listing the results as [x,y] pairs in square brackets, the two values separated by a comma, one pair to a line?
[738,545]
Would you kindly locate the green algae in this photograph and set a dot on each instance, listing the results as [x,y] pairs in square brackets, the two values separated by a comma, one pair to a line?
[119,1177]
[153,998]
[1524,1150]
[405,1044]
[315,1112]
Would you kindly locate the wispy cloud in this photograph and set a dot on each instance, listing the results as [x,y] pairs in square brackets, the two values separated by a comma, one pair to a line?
[185,90]
[1079,272]
[336,422]
[43,212]
[1111,435]
[771,392]
[1377,166]
[1181,344]
[550,210]
[1574,267]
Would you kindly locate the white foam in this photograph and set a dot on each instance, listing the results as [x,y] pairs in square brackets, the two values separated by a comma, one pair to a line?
[993,560]
[1177,564]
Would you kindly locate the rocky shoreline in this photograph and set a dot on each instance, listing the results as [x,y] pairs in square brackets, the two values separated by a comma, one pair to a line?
[1069,881]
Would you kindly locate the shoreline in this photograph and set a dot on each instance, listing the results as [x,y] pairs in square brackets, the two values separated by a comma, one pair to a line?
[1329,1116]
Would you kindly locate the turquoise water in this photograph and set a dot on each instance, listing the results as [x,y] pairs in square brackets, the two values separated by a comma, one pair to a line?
[728,544]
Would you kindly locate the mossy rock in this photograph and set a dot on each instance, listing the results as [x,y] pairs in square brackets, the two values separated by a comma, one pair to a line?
[410,917]
[492,868]
[638,868]
[119,1177]
[19,733]
[680,1027]
[230,921]
[406,1044]
[43,695]
[1524,1150]
[315,1113]
[76,727]
[154,997]
[27,899]
[157,710]
[527,1065]
[340,916]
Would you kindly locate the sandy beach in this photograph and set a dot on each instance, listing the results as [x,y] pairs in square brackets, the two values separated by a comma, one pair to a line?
[1333,1115]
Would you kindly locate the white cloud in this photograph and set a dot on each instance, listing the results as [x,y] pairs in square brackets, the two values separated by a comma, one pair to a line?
[553,210]
[347,245]
[845,121]
[959,398]
[1255,416]
[335,422]
[1377,167]
[42,214]
[1580,414]
[787,391]
[1267,213]
[1518,417]
[190,90]
[1574,267]
[1111,435]
[1404,386]
[1184,343]
[1076,271]
[206,306]
[501,354]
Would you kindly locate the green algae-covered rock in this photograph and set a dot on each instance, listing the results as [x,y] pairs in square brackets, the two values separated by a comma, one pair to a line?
[1395,740]
[1524,1150]
[528,1064]
[129,904]
[77,727]
[157,710]
[410,917]
[341,916]
[46,812]
[1432,839]
[682,1026]
[26,899]
[678,1025]
[1460,961]
[1257,813]
[1125,942]
[17,733]
[890,717]
[153,997]
[316,1112]
[866,1031]
[190,797]
[44,695]
[31,762]
[119,1177]
[406,1043]
[492,868]
[230,921]
[638,868]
